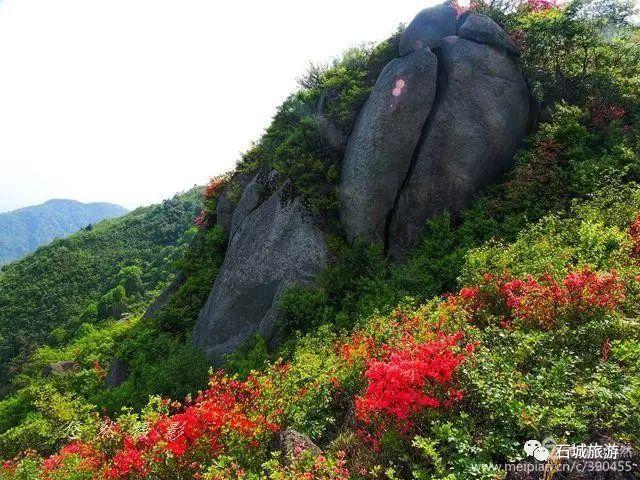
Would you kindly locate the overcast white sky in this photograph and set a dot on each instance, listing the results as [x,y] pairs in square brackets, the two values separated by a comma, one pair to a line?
[130,101]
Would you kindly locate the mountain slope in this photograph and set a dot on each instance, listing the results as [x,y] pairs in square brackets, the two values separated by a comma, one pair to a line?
[25,229]
[514,320]
[55,289]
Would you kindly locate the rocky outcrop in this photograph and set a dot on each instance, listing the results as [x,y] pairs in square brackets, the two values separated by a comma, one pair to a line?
[428,28]
[480,28]
[401,169]
[274,244]
[438,126]
[291,443]
[118,373]
[480,119]
[380,149]
[255,193]
[229,198]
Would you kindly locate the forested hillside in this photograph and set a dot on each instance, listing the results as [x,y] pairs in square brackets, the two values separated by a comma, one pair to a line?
[24,230]
[515,318]
[46,296]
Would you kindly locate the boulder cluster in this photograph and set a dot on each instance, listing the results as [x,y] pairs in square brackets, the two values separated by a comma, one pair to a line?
[444,120]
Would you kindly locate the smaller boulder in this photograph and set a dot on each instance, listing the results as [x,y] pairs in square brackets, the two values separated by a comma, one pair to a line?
[118,373]
[291,443]
[428,28]
[482,29]
[61,368]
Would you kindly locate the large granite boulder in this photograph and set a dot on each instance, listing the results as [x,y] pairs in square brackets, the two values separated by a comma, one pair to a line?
[479,121]
[482,29]
[379,151]
[274,246]
[428,28]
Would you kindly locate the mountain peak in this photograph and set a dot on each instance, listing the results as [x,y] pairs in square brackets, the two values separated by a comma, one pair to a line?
[25,229]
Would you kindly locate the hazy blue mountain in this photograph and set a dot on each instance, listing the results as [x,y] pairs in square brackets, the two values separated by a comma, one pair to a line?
[25,229]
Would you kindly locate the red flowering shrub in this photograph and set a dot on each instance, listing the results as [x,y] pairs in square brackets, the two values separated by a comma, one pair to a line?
[604,114]
[410,379]
[202,220]
[587,290]
[542,302]
[228,412]
[77,456]
[210,197]
[534,301]
[540,5]
[214,187]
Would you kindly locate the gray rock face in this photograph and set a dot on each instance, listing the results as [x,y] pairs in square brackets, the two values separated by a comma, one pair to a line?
[227,202]
[274,246]
[291,443]
[379,151]
[482,29]
[480,119]
[118,373]
[428,28]
[255,193]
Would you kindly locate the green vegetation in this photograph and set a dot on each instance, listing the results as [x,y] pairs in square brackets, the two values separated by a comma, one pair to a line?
[49,408]
[45,297]
[392,375]
[24,230]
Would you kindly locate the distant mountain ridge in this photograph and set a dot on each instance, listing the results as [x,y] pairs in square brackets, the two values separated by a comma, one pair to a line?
[25,229]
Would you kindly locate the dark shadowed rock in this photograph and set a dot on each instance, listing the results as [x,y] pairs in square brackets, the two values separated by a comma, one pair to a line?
[275,246]
[479,119]
[118,373]
[61,368]
[379,151]
[229,198]
[482,29]
[428,28]
[291,443]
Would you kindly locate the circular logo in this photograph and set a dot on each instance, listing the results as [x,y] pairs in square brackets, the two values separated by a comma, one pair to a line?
[530,446]
[541,454]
